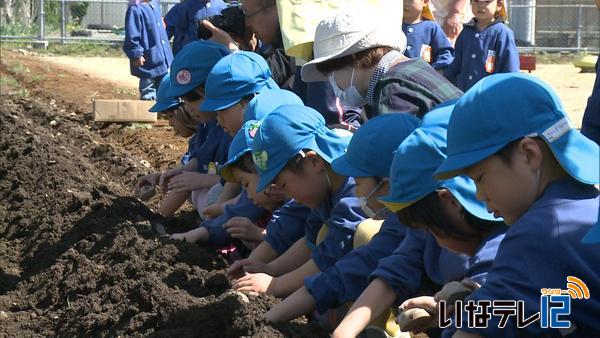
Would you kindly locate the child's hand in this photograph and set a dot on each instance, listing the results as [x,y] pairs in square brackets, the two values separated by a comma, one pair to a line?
[150,179]
[189,237]
[186,181]
[138,62]
[214,210]
[165,177]
[258,282]
[237,269]
[220,36]
[424,302]
[243,229]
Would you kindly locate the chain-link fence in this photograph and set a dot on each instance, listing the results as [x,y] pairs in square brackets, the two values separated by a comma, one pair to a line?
[541,25]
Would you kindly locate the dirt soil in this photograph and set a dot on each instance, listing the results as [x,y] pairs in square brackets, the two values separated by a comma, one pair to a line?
[78,255]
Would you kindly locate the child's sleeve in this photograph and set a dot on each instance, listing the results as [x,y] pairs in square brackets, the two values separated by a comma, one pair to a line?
[347,279]
[418,256]
[132,45]
[452,72]
[286,226]
[508,55]
[481,262]
[342,223]
[443,52]
[242,208]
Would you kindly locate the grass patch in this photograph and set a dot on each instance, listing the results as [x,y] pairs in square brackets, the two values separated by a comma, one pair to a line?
[9,84]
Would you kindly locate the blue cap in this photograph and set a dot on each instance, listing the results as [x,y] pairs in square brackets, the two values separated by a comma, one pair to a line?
[164,101]
[417,158]
[240,145]
[192,65]
[505,107]
[285,133]
[372,147]
[235,76]
[269,100]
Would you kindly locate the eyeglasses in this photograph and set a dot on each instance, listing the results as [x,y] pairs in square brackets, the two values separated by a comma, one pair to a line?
[249,15]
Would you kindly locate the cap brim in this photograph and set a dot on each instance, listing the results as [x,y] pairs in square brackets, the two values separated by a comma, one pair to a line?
[309,71]
[463,189]
[342,166]
[213,105]
[393,205]
[578,156]
[266,179]
[160,107]
[455,165]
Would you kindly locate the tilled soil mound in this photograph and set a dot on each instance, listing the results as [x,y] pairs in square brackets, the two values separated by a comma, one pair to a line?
[80,257]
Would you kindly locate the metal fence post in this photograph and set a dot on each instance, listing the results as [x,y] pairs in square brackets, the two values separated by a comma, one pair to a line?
[42,14]
[63,21]
[579,12]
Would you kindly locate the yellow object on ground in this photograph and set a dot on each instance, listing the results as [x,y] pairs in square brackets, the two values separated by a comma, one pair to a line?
[587,63]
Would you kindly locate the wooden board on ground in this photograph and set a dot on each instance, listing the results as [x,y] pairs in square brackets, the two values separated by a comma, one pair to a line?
[123,111]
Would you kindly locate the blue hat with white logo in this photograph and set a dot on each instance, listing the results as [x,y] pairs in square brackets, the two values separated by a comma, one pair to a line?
[505,107]
[235,76]
[269,100]
[192,64]
[372,147]
[417,158]
[287,131]
[164,101]
[240,145]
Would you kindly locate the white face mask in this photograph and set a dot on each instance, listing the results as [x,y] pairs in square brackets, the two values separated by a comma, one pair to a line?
[349,97]
[364,203]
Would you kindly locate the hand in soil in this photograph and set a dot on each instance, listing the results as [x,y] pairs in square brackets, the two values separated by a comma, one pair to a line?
[186,181]
[191,236]
[214,210]
[150,179]
[257,282]
[165,177]
[237,269]
[242,228]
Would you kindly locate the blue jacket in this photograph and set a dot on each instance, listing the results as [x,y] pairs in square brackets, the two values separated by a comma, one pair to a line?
[286,226]
[171,26]
[243,208]
[342,214]
[211,145]
[430,34]
[347,279]
[540,250]
[496,43]
[186,20]
[145,35]
[419,256]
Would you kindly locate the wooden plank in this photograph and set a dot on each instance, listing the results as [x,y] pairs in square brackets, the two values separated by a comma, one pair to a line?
[123,111]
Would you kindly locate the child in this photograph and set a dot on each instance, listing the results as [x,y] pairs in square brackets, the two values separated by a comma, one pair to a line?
[485,46]
[146,45]
[293,149]
[538,173]
[286,225]
[184,126]
[425,38]
[232,83]
[368,160]
[475,237]
[190,69]
[183,22]
[361,56]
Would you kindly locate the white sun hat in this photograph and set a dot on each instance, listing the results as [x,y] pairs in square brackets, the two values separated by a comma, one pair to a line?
[351,31]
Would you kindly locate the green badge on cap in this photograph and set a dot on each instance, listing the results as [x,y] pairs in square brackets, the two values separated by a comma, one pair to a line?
[260,159]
